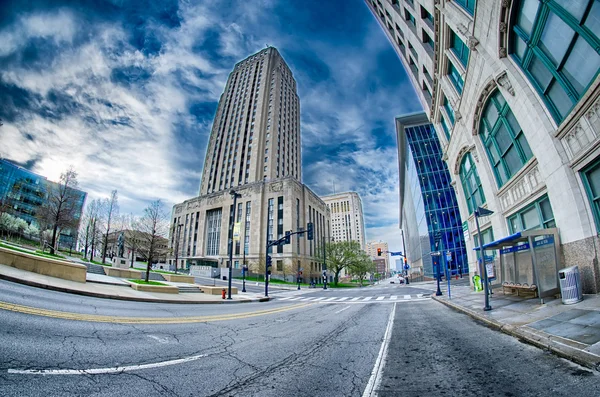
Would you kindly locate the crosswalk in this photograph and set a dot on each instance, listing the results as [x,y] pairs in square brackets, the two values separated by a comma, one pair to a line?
[359,299]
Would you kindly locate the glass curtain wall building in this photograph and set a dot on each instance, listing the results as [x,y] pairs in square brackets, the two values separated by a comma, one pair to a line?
[428,205]
[24,192]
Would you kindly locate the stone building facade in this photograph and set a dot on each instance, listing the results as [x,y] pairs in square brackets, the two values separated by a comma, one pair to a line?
[266,210]
[347,218]
[254,149]
[515,100]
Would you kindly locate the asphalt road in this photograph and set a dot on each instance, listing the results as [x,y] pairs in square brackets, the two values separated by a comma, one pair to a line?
[298,348]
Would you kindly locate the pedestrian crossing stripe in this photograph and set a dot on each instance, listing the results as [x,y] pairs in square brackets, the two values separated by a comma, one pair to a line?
[392,298]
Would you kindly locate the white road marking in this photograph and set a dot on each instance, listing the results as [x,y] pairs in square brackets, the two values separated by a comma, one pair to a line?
[286,298]
[406,296]
[339,311]
[307,299]
[394,297]
[354,299]
[329,299]
[343,299]
[368,298]
[375,379]
[380,298]
[110,370]
[320,298]
[419,295]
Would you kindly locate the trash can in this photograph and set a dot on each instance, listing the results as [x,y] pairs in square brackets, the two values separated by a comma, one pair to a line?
[570,285]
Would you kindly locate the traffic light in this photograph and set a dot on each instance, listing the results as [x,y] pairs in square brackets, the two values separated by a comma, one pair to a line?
[309,231]
[378,251]
[269,262]
[287,238]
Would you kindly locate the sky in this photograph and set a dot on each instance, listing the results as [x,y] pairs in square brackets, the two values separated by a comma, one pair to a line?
[126,91]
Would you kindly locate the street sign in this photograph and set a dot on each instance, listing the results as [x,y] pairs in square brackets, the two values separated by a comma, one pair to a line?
[406,267]
[465,228]
[399,253]
[448,256]
[435,253]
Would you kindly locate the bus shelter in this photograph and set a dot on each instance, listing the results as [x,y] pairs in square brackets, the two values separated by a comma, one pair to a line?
[528,258]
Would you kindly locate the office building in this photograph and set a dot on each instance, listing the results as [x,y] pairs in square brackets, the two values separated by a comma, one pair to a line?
[254,149]
[347,219]
[429,214]
[24,192]
[512,89]
[371,250]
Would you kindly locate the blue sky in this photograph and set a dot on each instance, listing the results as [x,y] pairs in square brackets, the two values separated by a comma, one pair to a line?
[125,91]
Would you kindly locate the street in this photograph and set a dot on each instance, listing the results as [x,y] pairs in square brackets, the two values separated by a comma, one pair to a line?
[294,345]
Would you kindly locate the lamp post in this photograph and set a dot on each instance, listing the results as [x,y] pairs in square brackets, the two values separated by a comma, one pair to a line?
[478,213]
[244,268]
[235,197]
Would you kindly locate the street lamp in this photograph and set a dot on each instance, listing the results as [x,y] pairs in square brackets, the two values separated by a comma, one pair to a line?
[235,196]
[479,212]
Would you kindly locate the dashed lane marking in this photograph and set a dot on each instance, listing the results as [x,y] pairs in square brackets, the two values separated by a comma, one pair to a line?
[142,320]
[380,298]
[406,296]
[394,297]
[368,298]
[354,299]
[343,299]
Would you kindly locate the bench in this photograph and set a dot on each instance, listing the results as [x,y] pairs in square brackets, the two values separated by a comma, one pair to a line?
[523,290]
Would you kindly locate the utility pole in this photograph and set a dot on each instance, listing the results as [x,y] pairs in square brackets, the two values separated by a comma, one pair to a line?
[177,234]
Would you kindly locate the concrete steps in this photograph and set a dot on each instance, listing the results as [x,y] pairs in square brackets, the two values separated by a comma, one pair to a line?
[189,289]
[95,269]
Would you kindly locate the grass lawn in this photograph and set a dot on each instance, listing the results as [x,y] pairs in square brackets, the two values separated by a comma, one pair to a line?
[146,282]
[156,271]
[37,253]
[49,254]
[101,264]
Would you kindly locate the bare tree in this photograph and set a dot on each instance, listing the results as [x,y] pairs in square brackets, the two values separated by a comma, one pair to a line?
[132,238]
[88,227]
[153,226]
[110,208]
[60,209]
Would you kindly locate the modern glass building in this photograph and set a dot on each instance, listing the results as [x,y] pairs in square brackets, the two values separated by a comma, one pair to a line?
[25,191]
[429,212]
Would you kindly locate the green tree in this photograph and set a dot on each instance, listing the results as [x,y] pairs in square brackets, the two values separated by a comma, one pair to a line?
[340,255]
[362,265]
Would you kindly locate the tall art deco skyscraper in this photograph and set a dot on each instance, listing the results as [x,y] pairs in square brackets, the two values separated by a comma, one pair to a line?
[256,131]
[254,149]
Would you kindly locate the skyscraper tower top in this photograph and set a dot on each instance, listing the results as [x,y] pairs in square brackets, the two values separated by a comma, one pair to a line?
[256,131]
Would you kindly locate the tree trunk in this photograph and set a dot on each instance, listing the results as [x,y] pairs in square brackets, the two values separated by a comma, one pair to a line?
[337,277]
[54,229]
[87,234]
[132,256]
[148,267]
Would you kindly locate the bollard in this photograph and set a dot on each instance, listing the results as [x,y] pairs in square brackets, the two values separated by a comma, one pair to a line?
[223,293]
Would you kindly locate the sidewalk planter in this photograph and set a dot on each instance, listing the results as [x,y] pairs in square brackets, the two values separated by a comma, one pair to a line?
[164,289]
[178,278]
[46,266]
[122,273]
[216,290]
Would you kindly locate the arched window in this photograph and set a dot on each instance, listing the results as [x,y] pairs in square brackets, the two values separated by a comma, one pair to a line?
[471,183]
[556,43]
[503,138]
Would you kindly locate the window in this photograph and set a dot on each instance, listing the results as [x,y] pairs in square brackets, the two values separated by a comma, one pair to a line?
[426,15]
[279,266]
[591,181]
[409,17]
[505,143]
[445,127]
[535,216]
[468,5]
[455,77]
[487,236]
[556,43]
[471,183]
[449,110]
[213,231]
[459,48]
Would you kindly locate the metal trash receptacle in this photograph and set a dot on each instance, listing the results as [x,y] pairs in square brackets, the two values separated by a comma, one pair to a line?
[570,285]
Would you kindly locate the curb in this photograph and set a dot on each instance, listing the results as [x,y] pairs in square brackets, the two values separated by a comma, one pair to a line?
[534,337]
[125,298]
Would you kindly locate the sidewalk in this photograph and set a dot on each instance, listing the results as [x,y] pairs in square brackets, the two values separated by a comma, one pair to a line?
[570,331]
[114,288]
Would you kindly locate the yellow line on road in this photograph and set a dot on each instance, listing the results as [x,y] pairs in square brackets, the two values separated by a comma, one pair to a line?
[141,320]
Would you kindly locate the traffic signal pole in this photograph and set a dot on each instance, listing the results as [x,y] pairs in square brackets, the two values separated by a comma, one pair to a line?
[286,240]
